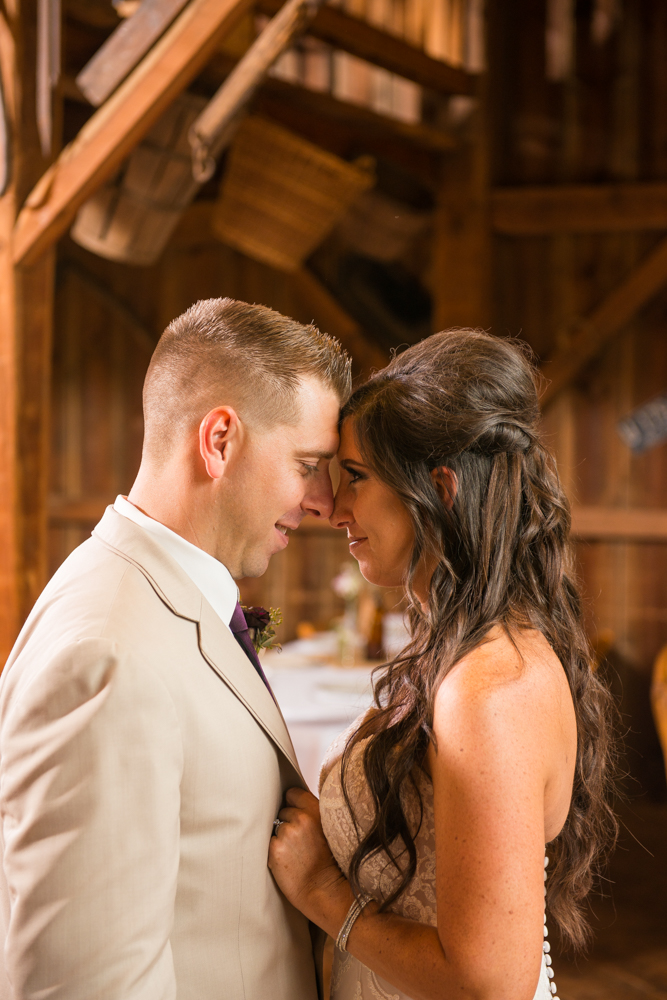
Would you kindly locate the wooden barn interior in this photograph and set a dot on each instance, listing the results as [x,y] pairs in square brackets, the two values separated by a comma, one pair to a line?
[384,169]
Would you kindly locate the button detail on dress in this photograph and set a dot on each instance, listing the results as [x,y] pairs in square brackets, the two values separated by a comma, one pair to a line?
[546,947]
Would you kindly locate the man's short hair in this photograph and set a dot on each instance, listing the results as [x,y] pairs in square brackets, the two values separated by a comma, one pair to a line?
[221,351]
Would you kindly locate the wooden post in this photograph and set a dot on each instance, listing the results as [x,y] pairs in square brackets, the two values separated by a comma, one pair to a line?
[462,250]
[26,305]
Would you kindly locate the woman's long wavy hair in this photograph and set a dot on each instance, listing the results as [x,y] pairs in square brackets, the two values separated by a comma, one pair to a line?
[468,401]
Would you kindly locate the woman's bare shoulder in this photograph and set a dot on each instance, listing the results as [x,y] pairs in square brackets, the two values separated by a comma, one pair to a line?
[519,676]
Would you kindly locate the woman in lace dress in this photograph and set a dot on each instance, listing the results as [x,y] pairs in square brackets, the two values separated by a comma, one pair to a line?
[488,741]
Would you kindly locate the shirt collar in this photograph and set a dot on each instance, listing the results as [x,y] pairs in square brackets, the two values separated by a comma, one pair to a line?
[207,573]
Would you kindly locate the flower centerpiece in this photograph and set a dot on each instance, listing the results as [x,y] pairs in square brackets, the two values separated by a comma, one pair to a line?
[348,585]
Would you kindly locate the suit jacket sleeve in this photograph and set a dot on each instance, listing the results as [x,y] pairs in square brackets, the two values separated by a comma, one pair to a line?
[90,768]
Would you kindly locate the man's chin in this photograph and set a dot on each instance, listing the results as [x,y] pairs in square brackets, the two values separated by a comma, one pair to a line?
[257,565]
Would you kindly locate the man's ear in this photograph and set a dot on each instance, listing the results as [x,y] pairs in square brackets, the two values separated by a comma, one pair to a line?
[446,483]
[219,428]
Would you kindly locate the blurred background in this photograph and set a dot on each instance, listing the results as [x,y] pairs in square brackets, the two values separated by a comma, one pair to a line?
[396,167]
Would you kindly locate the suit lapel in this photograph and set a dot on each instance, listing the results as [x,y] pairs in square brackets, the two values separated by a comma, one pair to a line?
[221,650]
[216,643]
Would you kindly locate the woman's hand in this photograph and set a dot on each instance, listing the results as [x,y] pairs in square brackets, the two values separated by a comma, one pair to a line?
[302,864]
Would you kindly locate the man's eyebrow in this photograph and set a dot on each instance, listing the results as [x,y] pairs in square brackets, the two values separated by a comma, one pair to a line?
[316,454]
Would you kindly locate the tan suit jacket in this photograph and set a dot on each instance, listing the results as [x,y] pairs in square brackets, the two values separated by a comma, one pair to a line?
[142,763]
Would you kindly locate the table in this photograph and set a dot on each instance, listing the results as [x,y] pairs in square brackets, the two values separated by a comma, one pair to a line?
[318,703]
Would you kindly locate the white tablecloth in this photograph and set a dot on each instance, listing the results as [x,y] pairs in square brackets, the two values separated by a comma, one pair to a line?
[318,703]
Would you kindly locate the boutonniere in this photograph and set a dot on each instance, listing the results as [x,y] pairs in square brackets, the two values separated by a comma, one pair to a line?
[261,624]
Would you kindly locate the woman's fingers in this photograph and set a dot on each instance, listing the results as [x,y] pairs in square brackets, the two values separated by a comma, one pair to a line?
[288,814]
[303,799]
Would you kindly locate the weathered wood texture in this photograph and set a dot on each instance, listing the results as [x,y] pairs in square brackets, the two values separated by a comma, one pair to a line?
[128,44]
[107,138]
[217,123]
[600,127]
[25,341]
[609,317]
[364,41]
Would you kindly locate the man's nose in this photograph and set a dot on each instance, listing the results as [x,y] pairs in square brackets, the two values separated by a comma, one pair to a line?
[319,501]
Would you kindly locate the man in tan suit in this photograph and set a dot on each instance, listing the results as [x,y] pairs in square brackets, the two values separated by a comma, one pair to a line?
[143,758]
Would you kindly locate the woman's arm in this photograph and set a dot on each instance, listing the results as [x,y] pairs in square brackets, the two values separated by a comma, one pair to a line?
[495,747]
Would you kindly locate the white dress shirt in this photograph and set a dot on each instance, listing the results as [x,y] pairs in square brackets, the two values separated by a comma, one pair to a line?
[207,573]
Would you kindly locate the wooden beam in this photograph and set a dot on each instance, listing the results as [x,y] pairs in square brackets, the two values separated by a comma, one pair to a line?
[320,307]
[461,284]
[619,523]
[214,128]
[579,208]
[113,131]
[277,98]
[361,39]
[123,49]
[26,306]
[607,320]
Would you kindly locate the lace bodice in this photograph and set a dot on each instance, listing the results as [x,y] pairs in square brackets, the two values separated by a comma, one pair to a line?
[350,979]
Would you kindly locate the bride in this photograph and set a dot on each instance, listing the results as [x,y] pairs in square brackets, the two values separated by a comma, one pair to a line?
[425,857]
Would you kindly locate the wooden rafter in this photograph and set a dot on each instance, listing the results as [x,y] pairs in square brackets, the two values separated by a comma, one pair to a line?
[125,47]
[607,320]
[120,123]
[277,98]
[214,128]
[619,523]
[330,315]
[579,208]
[382,49]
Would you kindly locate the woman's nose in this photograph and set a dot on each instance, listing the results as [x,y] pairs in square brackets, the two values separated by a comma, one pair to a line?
[341,515]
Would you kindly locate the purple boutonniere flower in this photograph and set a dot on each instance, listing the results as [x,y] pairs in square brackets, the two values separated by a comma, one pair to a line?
[257,617]
[261,624]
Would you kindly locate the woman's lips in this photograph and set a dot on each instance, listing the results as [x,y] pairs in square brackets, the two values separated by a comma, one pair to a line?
[355,543]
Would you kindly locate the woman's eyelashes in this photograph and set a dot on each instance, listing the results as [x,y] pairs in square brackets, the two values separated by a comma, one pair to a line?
[354,475]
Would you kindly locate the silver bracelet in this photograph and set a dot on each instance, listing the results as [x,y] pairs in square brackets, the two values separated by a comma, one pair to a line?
[348,923]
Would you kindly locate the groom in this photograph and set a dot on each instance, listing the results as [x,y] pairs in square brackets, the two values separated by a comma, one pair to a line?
[142,756]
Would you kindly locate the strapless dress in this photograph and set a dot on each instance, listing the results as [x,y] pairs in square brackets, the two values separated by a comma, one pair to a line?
[350,979]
